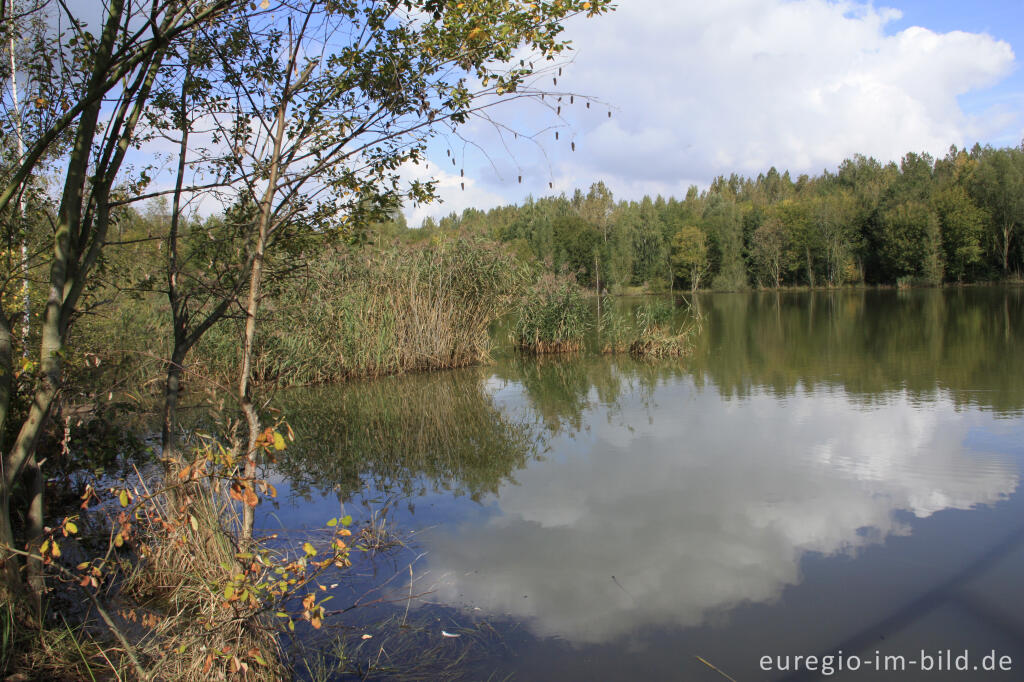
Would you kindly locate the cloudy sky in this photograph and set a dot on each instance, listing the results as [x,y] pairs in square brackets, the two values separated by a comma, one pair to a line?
[697,89]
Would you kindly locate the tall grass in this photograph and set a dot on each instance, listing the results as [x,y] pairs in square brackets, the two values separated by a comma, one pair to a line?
[367,314]
[649,330]
[553,317]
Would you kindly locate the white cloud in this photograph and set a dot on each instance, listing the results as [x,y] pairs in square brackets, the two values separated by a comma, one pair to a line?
[703,88]
[693,515]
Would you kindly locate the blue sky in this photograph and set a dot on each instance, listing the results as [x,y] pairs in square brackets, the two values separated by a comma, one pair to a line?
[699,89]
[1001,20]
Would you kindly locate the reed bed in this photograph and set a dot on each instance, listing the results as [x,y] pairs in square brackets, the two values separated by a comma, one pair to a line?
[553,317]
[649,331]
[368,314]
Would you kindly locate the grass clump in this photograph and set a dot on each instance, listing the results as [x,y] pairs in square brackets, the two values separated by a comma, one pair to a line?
[553,317]
[648,330]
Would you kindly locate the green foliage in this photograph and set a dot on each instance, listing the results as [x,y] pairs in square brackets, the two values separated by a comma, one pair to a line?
[911,243]
[690,255]
[963,231]
[553,317]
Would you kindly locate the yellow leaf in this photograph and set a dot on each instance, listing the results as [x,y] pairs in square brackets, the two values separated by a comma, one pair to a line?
[278,441]
[71,527]
[55,549]
[123,498]
[194,523]
[309,549]
[118,540]
[229,592]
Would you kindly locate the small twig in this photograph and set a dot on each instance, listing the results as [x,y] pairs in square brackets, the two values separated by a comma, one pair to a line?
[717,670]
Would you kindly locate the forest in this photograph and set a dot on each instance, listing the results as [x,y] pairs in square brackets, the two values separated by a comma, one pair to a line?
[922,221]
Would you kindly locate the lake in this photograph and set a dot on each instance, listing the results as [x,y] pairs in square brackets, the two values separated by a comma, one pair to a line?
[830,475]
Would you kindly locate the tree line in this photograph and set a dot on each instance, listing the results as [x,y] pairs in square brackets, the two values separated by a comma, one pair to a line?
[921,221]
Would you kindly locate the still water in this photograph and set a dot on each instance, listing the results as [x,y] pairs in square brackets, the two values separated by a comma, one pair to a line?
[827,475]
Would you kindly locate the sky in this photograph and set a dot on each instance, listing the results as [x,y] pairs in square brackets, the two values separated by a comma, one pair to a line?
[698,89]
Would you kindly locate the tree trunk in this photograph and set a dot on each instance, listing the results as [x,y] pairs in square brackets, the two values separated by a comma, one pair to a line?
[8,561]
[252,419]
[34,482]
[179,319]
[172,389]
[1007,234]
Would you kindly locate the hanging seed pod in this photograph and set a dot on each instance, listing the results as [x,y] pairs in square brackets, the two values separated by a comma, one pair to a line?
[520,179]
[555,81]
[559,111]
[453,162]
[551,185]
[462,172]
[588,105]
[609,114]
[463,185]
[572,98]
[574,146]
[448,152]
[556,134]
[559,70]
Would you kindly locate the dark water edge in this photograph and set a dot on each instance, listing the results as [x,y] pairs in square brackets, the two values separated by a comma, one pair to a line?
[829,471]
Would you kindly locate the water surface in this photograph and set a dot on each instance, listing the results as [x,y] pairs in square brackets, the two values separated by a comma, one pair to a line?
[827,472]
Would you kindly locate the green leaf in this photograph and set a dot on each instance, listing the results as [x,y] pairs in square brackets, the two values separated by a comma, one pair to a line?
[332,523]
[346,520]
[229,592]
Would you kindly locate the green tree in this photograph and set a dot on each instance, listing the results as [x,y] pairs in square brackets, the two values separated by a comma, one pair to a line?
[963,229]
[912,242]
[690,255]
[998,186]
[724,227]
[770,246]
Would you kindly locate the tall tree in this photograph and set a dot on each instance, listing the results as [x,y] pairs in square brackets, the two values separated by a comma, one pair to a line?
[998,185]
